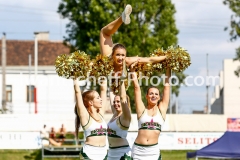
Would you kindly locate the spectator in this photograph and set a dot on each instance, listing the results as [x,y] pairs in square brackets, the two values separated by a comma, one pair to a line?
[62,134]
[52,134]
[48,138]
[44,133]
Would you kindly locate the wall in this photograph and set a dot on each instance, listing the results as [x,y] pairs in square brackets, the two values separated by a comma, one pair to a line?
[173,123]
[54,94]
[231,89]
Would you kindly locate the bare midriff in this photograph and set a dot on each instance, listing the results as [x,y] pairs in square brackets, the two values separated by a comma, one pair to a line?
[147,137]
[117,142]
[98,141]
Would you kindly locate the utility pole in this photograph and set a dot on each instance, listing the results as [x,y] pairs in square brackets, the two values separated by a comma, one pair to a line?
[207,86]
[61,17]
[36,70]
[30,88]
[4,57]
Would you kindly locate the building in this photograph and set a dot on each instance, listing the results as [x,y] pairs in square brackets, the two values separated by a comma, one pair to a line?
[54,94]
[226,96]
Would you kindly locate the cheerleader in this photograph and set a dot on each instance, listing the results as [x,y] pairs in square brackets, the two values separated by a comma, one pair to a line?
[118,126]
[89,112]
[150,119]
[118,52]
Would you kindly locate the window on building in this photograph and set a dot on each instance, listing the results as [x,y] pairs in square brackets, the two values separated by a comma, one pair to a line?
[9,93]
[30,93]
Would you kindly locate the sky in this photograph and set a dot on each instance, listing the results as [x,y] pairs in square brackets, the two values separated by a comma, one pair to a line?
[200,22]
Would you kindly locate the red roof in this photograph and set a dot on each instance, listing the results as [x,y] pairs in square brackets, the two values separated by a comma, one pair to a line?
[19,50]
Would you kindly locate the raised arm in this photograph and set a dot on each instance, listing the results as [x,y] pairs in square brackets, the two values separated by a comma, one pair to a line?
[130,60]
[126,113]
[103,95]
[111,96]
[163,105]
[137,93]
[81,109]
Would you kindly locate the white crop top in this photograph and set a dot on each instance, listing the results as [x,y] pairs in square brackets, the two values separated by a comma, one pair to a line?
[116,129]
[93,128]
[150,123]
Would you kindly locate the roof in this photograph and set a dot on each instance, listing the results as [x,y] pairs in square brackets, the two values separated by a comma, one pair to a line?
[227,146]
[18,52]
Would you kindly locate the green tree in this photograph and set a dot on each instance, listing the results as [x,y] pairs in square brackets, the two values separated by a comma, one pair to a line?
[86,19]
[152,26]
[234,29]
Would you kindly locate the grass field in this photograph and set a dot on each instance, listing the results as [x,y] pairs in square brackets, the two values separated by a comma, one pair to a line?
[36,155]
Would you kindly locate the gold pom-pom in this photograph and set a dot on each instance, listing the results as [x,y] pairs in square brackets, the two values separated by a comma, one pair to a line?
[115,86]
[158,67]
[143,69]
[74,66]
[101,66]
[61,65]
[177,59]
[158,52]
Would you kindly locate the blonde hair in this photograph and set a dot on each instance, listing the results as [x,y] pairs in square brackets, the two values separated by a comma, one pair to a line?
[88,96]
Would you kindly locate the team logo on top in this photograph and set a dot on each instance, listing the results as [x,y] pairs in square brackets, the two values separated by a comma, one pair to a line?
[151,125]
[99,131]
[110,131]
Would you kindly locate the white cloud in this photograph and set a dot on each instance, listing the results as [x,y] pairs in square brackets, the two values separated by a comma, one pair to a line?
[211,46]
[200,10]
[37,4]
[201,25]
[31,16]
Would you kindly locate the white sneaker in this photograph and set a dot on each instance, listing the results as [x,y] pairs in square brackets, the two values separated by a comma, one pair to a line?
[126,14]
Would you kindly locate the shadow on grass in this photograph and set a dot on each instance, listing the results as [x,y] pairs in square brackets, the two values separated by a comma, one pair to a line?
[35,155]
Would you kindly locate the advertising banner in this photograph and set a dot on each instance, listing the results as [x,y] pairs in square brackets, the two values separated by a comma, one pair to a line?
[182,140]
[233,124]
[167,140]
[20,140]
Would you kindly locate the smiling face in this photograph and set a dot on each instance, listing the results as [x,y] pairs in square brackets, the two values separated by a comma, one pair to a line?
[117,104]
[153,96]
[119,56]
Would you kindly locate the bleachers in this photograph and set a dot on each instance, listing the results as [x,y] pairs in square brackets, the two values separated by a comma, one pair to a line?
[68,149]
[62,151]
[72,142]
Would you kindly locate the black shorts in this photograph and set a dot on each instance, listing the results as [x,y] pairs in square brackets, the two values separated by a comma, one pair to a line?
[61,136]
